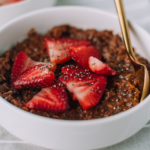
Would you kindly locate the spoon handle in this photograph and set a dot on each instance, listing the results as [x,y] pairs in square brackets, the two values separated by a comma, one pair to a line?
[140,70]
[124,28]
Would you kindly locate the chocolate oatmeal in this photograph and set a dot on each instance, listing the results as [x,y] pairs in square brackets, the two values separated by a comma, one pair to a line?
[121,92]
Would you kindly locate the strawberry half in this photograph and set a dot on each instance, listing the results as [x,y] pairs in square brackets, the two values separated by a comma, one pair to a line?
[99,67]
[23,62]
[58,48]
[85,87]
[51,99]
[38,76]
[81,54]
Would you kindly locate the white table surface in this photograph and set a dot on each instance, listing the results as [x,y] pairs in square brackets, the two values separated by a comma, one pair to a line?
[138,11]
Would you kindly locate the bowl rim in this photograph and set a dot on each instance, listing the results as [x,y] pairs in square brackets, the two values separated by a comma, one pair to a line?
[20,3]
[61,121]
[14,4]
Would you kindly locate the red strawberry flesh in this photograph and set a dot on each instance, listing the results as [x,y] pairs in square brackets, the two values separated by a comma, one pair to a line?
[51,99]
[74,75]
[70,69]
[58,48]
[23,62]
[85,87]
[38,76]
[99,67]
[81,54]
[90,95]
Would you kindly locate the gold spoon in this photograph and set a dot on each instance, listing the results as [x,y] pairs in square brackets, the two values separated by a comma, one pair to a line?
[140,69]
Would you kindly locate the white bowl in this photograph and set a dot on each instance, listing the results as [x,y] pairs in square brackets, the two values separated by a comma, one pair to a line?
[9,12]
[62,134]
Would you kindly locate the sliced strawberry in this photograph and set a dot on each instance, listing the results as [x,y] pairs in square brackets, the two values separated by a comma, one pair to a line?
[85,87]
[74,75]
[23,62]
[51,66]
[89,96]
[37,76]
[81,54]
[99,67]
[58,48]
[70,69]
[51,99]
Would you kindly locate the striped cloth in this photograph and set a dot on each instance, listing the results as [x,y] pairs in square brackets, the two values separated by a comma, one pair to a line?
[137,11]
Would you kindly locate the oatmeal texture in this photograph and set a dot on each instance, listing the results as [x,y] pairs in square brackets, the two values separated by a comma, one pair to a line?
[121,92]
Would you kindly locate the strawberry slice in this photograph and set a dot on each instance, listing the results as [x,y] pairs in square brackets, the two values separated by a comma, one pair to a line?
[99,67]
[70,69]
[23,62]
[38,76]
[74,75]
[51,99]
[81,54]
[58,48]
[85,87]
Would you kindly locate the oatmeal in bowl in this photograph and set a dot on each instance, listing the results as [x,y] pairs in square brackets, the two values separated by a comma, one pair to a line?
[70,73]
[70,79]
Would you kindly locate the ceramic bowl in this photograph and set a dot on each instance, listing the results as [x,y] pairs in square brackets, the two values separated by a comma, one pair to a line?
[63,134]
[9,12]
